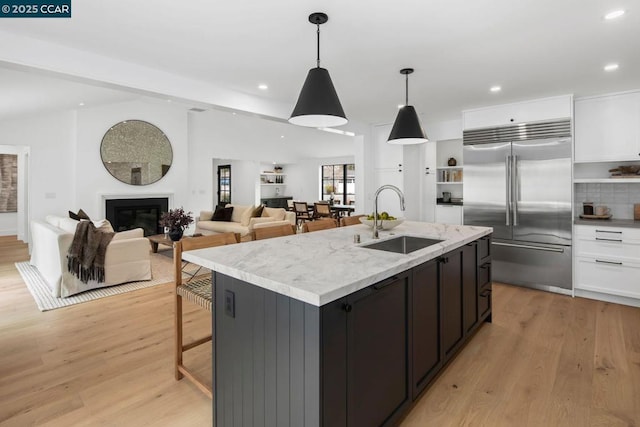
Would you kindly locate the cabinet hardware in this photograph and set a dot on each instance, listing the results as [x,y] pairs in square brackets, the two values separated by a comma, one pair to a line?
[538,248]
[387,282]
[347,307]
[485,293]
[608,262]
[485,265]
[471,244]
[608,231]
[609,240]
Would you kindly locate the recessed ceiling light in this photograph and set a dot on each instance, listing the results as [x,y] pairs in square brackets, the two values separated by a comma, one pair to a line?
[81,104]
[281,136]
[495,89]
[611,67]
[614,14]
[263,86]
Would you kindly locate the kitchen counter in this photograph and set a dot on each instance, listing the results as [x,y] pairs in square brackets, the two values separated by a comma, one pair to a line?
[320,267]
[629,223]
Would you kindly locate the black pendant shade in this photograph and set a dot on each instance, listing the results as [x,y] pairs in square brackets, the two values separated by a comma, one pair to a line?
[407,128]
[318,104]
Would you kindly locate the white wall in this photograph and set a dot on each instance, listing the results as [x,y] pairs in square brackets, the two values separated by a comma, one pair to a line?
[93,180]
[52,161]
[244,176]
[223,135]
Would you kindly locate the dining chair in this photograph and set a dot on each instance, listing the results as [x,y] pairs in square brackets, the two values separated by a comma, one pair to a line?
[197,291]
[350,220]
[322,210]
[321,224]
[290,205]
[302,212]
[273,231]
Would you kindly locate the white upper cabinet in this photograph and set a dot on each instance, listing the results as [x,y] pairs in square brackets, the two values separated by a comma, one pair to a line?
[607,128]
[557,107]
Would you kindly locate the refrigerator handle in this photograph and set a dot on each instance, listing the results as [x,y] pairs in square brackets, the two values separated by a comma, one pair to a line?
[516,190]
[507,165]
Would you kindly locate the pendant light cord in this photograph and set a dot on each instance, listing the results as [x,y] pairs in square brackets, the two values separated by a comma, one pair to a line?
[318,56]
[406,98]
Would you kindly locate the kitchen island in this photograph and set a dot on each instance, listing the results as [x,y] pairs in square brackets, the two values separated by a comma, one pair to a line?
[316,330]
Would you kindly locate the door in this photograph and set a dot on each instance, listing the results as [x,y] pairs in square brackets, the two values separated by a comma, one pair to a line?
[541,185]
[427,356]
[377,352]
[486,187]
[224,185]
[451,301]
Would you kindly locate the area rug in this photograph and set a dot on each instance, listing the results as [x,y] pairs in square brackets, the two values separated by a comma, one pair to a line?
[161,271]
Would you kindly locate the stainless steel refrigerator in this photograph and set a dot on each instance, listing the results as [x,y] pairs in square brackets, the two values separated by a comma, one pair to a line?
[517,179]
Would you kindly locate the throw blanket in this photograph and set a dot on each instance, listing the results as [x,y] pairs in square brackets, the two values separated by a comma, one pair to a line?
[86,255]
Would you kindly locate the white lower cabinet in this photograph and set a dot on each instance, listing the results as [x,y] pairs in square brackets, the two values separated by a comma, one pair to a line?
[607,260]
[449,214]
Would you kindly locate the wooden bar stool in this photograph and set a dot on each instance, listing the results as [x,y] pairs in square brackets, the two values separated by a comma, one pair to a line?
[197,291]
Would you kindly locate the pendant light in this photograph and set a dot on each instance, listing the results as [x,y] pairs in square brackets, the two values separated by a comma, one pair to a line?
[318,104]
[407,129]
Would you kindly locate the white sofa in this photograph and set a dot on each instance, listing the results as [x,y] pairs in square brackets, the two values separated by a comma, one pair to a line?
[242,222]
[127,258]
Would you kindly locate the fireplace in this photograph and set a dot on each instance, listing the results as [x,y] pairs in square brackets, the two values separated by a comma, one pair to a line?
[126,214]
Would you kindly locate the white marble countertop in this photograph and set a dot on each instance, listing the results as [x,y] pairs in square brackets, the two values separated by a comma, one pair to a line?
[323,266]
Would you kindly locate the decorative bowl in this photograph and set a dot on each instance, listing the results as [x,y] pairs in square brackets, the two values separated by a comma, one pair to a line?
[387,224]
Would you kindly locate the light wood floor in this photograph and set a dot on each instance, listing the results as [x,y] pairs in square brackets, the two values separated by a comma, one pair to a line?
[546,360]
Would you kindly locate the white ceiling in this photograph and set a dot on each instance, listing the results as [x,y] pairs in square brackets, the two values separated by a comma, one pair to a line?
[459,48]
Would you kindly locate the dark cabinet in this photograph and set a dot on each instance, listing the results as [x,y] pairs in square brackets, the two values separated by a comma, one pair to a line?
[427,355]
[383,345]
[469,286]
[276,202]
[365,355]
[451,301]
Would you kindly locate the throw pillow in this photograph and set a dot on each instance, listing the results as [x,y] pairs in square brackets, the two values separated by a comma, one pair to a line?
[222,214]
[80,215]
[246,216]
[278,214]
[257,212]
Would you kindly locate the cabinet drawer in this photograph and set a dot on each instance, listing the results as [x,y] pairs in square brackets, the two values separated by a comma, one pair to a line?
[604,232]
[608,276]
[484,302]
[484,274]
[484,249]
[610,247]
[449,214]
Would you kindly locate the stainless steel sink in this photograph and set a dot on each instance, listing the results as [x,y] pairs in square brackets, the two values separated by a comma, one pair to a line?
[402,244]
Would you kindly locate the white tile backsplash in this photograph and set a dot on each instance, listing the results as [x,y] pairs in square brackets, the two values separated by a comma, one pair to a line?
[619,197]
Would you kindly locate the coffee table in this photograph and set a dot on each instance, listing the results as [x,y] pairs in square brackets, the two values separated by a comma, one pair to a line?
[162,239]
[159,239]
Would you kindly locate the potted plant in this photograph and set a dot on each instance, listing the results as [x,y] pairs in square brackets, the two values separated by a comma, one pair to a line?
[176,220]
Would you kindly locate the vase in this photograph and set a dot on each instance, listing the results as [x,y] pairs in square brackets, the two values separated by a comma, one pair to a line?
[452,162]
[175,234]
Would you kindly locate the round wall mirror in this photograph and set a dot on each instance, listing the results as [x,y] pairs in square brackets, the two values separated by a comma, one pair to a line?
[136,152]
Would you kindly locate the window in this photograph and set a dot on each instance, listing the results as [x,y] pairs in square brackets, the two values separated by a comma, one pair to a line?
[224,184]
[339,182]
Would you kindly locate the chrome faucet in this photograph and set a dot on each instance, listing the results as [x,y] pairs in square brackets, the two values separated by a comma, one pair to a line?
[375,206]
